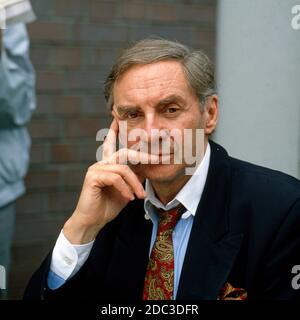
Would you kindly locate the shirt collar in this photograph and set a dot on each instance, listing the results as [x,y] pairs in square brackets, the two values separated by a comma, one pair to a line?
[188,196]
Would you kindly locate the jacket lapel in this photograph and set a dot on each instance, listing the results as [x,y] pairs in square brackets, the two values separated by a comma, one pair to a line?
[212,249]
[130,254]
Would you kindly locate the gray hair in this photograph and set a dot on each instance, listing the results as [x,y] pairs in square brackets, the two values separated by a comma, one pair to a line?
[198,68]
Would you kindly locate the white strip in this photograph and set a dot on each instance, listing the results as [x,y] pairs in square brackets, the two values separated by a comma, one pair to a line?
[17,9]
[2,278]
[2,18]
[5,3]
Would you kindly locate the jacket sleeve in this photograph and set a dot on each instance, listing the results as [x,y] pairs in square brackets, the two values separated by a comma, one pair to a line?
[17,78]
[284,254]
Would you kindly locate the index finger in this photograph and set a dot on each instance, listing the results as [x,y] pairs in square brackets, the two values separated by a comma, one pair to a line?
[110,142]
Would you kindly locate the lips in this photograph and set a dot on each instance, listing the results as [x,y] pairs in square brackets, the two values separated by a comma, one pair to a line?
[164,154]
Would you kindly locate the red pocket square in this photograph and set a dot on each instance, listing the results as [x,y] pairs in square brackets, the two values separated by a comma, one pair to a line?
[228,292]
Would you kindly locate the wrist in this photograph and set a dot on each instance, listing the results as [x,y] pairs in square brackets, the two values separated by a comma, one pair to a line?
[79,233]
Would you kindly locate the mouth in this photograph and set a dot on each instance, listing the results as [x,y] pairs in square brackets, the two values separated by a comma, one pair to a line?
[164,154]
[164,159]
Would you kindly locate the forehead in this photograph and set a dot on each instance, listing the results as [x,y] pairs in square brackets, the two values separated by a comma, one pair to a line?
[151,81]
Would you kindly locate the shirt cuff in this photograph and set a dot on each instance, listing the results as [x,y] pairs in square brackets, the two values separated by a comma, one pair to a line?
[68,258]
[54,281]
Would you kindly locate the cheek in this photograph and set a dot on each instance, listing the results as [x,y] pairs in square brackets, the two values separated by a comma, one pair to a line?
[190,122]
[190,136]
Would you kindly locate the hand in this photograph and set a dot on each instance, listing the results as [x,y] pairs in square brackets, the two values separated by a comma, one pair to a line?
[107,189]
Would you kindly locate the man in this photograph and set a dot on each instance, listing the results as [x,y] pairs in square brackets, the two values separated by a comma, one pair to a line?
[17,102]
[229,231]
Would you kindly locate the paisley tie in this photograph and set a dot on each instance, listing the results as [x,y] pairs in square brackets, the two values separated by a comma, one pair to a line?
[159,279]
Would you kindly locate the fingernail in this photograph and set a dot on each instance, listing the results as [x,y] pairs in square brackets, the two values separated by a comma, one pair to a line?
[142,195]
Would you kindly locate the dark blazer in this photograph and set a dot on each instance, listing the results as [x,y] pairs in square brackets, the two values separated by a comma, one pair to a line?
[246,232]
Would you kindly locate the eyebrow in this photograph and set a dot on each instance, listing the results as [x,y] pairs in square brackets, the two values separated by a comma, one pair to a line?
[163,102]
[123,109]
[170,99]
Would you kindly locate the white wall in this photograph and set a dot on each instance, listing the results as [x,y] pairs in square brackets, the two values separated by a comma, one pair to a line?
[258,72]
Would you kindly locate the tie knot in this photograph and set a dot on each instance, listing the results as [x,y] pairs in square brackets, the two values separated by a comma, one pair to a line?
[168,219]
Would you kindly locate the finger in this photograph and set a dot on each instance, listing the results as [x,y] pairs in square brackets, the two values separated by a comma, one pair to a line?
[110,179]
[109,144]
[123,156]
[141,179]
[128,175]
[115,114]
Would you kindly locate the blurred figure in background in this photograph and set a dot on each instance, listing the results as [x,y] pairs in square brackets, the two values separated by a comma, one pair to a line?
[17,102]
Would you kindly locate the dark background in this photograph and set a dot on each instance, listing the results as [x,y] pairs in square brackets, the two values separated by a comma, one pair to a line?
[73,44]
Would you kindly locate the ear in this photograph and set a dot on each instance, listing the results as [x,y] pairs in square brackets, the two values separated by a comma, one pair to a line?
[211,114]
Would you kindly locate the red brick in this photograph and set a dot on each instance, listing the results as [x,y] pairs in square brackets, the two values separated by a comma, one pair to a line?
[84,127]
[50,81]
[71,8]
[42,179]
[48,31]
[63,201]
[198,13]
[31,203]
[67,105]
[103,56]
[95,105]
[102,10]
[203,39]
[88,152]
[74,178]
[83,80]
[69,57]
[44,229]
[39,154]
[161,12]
[44,105]
[44,128]
[94,33]
[74,152]
[65,153]
[40,55]
[132,10]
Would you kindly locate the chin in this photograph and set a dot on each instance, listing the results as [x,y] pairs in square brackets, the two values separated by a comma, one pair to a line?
[160,172]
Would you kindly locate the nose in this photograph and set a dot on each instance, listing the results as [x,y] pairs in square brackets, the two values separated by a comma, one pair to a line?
[155,133]
[151,127]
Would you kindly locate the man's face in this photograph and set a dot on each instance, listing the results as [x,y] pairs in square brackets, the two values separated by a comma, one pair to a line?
[157,96]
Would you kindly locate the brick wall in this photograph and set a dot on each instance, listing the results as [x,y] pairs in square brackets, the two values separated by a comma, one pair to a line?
[73,44]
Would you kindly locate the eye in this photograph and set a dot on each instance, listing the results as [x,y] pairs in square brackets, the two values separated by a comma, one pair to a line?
[171,110]
[132,115]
